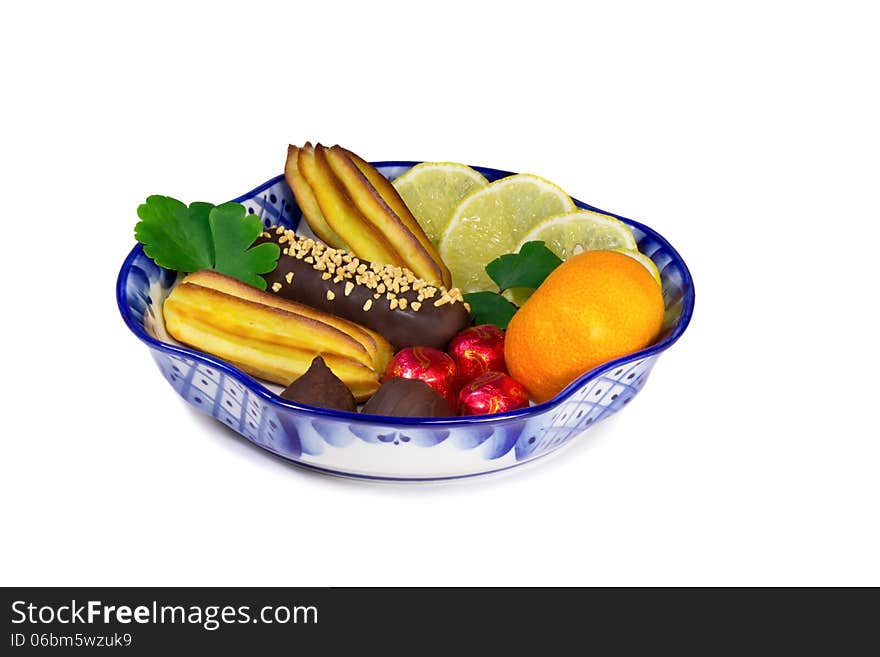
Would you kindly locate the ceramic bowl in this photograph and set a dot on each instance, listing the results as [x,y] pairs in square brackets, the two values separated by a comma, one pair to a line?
[375,447]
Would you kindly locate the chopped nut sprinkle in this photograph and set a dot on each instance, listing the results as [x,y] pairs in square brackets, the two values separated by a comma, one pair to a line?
[330,295]
[393,304]
[340,265]
[276,286]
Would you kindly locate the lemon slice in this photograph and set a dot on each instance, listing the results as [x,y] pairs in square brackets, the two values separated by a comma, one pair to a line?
[646,261]
[432,190]
[517,295]
[574,232]
[571,233]
[489,222]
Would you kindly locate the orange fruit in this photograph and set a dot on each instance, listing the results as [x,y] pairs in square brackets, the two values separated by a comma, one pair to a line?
[593,308]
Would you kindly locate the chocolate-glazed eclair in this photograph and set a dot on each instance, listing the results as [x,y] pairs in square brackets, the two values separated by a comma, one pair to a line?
[406,310]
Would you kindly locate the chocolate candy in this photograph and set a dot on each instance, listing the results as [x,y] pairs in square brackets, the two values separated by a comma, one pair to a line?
[492,392]
[427,364]
[477,350]
[407,398]
[320,387]
[404,309]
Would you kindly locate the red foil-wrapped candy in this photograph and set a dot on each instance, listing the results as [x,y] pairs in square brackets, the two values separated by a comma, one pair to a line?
[477,350]
[492,392]
[430,365]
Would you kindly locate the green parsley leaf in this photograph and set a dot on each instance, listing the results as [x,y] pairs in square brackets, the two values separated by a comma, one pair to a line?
[203,236]
[234,231]
[528,268]
[175,236]
[490,308]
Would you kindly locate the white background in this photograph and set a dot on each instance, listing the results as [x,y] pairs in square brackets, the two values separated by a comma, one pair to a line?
[747,135]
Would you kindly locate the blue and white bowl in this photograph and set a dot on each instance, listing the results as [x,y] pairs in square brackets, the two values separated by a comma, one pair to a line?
[376,447]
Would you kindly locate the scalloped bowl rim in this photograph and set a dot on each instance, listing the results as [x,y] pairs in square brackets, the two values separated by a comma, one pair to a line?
[259,389]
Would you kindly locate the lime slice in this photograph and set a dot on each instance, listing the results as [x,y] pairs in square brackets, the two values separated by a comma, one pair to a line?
[646,261]
[489,222]
[574,232]
[432,190]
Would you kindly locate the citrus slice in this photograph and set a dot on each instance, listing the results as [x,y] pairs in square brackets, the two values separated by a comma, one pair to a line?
[432,190]
[571,233]
[517,295]
[582,230]
[489,222]
[646,261]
